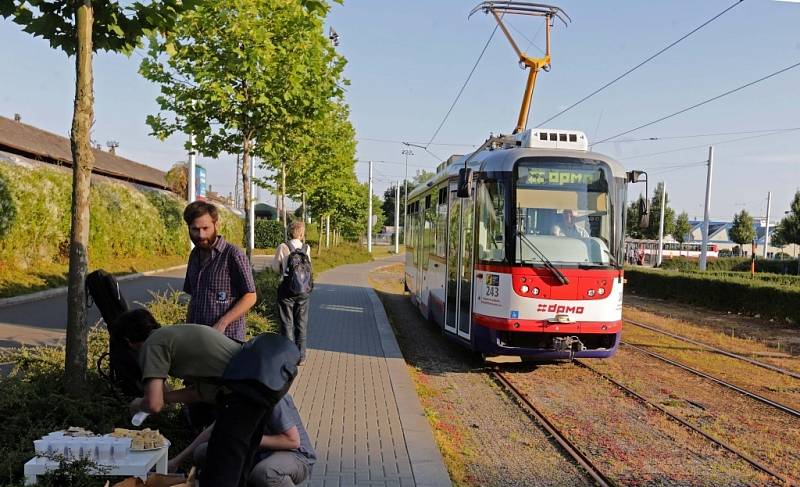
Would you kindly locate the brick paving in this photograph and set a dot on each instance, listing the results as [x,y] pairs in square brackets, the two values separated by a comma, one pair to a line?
[355,395]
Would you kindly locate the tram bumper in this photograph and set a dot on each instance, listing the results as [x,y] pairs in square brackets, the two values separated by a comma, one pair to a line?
[582,340]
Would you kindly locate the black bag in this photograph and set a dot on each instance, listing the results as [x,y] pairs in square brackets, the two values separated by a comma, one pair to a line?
[264,369]
[124,372]
[298,278]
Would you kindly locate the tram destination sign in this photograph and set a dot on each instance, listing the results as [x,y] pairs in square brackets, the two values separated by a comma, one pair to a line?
[558,177]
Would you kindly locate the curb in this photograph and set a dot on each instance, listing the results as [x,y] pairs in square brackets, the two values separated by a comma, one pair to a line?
[58,291]
[427,464]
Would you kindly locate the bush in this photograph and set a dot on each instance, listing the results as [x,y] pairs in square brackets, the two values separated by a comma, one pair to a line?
[737,264]
[722,292]
[268,234]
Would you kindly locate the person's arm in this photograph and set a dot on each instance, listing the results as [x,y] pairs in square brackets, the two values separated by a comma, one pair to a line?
[277,260]
[156,395]
[181,457]
[288,440]
[238,310]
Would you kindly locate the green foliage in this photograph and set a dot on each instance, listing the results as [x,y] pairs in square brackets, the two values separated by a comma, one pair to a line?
[742,231]
[346,253]
[632,218]
[732,264]
[722,292]
[269,234]
[8,211]
[682,227]
[231,226]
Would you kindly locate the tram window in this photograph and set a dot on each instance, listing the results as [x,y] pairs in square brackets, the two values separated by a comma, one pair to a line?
[562,137]
[543,136]
[427,202]
[553,136]
[491,222]
[573,138]
[442,196]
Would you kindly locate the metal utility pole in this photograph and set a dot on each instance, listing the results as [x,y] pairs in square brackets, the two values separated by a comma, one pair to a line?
[251,211]
[405,152]
[766,232]
[661,225]
[191,170]
[369,211]
[397,218]
[327,231]
[704,249]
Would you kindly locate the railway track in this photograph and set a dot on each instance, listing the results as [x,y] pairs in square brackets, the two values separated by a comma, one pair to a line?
[559,437]
[716,441]
[712,348]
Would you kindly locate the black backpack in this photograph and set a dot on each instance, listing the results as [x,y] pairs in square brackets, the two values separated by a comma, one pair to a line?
[123,372]
[298,277]
[264,369]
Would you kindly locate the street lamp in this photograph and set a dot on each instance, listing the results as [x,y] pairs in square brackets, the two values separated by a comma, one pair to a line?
[406,153]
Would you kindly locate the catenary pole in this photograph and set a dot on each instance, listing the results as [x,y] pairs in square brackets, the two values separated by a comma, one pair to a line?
[191,185]
[766,231]
[661,225]
[251,211]
[397,218]
[369,212]
[704,249]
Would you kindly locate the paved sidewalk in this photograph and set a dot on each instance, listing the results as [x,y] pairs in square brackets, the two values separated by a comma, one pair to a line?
[355,395]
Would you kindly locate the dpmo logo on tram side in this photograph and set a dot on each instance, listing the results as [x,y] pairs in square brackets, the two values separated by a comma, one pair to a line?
[559,308]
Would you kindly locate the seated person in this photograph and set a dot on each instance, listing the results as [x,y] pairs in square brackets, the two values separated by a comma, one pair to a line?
[568,227]
[285,456]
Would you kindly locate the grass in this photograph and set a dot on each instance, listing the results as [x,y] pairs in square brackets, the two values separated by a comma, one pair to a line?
[15,281]
[381,251]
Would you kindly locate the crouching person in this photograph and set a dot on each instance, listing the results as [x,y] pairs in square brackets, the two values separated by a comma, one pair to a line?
[285,456]
[245,381]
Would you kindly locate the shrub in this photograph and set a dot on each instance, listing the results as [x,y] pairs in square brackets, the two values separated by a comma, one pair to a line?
[738,264]
[722,292]
[268,234]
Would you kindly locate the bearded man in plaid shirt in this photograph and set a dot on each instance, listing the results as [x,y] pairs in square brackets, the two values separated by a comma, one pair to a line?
[219,277]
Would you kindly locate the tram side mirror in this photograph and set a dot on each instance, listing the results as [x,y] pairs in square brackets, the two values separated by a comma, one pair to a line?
[644,214]
[464,183]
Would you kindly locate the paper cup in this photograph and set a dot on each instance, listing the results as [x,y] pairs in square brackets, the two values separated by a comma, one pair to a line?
[104,447]
[88,448]
[57,447]
[120,448]
[41,447]
[72,450]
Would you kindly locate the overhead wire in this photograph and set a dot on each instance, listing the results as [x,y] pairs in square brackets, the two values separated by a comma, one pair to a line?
[396,141]
[463,86]
[704,102]
[694,136]
[631,70]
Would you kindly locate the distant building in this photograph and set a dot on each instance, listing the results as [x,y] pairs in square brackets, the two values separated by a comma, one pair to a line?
[718,233]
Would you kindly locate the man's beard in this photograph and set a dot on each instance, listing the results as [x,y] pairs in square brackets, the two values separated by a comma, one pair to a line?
[205,243]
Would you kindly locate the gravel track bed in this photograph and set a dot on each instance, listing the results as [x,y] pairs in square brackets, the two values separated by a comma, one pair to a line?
[631,443]
[768,435]
[476,423]
[772,385]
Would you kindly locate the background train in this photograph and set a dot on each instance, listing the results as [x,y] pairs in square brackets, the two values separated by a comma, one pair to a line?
[645,252]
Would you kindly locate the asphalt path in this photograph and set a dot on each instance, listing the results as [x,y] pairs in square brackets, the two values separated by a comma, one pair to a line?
[43,322]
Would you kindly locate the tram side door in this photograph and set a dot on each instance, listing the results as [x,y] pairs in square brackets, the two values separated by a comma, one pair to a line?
[460,218]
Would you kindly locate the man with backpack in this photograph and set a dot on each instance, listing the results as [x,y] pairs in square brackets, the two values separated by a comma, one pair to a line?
[293,262]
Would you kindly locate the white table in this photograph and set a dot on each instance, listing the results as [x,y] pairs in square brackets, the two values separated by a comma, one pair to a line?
[135,464]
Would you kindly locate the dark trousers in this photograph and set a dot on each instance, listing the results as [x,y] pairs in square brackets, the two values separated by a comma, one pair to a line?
[234,441]
[293,314]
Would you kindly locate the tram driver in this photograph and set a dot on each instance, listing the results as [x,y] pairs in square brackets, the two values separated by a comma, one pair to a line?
[568,227]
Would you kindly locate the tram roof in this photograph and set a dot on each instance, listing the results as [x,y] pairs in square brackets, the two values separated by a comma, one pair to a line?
[500,160]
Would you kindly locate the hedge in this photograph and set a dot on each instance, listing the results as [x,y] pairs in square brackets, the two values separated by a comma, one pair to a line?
[268,234]
[721,292]
[125,221]
[740,264]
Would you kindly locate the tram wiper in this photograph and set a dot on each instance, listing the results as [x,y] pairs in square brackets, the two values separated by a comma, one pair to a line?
[549,265]
[613,259]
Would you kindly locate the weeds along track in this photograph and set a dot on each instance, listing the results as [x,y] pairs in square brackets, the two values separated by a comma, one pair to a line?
[714,349]
[551,429]
[716,441]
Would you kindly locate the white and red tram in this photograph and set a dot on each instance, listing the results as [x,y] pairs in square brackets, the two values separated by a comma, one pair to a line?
[528,264]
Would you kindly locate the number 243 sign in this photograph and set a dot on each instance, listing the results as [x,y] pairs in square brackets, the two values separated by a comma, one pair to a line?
[492,285]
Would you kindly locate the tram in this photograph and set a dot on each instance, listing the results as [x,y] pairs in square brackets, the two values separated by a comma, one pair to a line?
[517,249]
[645,252]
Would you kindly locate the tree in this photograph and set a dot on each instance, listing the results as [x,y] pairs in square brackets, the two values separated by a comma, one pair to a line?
[682,228]
[244,77]
[655,215]
[788,230]
[632,217]
[742,231]
[178,178]
[80,28]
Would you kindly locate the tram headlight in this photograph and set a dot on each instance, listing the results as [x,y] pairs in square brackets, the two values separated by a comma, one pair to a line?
[535,291]
[524,288]
[590,292]
[601,291]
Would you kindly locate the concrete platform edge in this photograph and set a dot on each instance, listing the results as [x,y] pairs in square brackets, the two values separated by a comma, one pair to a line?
[426,460]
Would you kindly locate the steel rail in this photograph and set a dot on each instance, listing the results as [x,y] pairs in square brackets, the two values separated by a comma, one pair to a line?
[562,440]
[752,395]
[715,349]
[755,463]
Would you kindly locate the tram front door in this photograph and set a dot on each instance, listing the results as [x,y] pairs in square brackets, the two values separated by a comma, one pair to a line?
[460,217]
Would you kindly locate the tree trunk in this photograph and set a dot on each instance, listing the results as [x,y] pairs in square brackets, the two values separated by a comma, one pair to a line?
[304,207]
[82,162]
[247,195]
[283,200]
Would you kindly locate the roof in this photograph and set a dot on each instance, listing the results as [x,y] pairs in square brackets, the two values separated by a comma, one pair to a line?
[35,143]
[504,159]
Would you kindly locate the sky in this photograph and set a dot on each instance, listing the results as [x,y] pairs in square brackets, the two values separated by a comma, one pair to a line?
[407,61]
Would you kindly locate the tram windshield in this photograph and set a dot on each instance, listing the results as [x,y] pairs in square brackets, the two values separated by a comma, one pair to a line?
[563,210]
